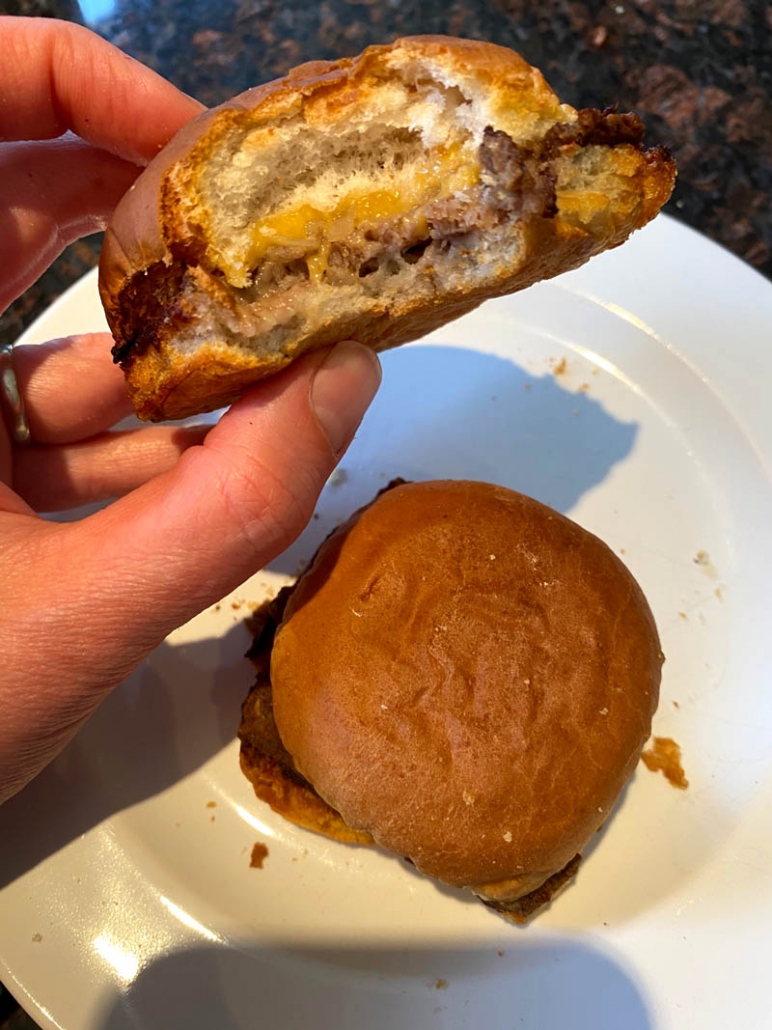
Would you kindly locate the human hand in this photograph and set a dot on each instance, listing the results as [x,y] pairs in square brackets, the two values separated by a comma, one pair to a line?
[84,602]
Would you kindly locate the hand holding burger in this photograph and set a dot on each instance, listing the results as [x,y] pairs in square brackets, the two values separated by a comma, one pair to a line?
[83,603]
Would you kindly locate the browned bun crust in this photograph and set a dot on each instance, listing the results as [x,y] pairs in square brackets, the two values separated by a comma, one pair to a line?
[588,184]
[469,677]
[264,760]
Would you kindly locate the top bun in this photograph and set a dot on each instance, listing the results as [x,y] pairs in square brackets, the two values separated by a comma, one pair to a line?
[372,198]
[468,677]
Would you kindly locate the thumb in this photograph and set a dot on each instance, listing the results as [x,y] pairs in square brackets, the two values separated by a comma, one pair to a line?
[229,506]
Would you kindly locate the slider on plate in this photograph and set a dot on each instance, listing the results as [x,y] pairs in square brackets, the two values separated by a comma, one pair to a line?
[464,677]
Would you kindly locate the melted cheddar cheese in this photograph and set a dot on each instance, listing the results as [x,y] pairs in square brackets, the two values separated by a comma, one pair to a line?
[311,229]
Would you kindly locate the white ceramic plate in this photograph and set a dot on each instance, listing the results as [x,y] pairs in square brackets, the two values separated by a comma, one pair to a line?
[126,894]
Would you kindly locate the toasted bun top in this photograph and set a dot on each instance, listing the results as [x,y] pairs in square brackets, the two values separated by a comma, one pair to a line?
[468,676]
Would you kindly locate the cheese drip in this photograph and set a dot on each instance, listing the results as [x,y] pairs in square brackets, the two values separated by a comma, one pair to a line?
[309,230]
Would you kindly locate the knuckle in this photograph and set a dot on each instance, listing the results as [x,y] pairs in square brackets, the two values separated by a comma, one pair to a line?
[267,507]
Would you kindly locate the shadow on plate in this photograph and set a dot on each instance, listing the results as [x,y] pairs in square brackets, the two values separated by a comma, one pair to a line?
[173,714]
[450,413]
[549,986]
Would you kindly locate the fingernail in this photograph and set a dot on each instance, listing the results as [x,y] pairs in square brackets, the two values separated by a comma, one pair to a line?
[342,388]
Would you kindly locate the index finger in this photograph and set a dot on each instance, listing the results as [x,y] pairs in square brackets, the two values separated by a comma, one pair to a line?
[56,76]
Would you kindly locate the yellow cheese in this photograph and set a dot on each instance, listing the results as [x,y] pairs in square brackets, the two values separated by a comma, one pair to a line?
[317,262]
[310,229]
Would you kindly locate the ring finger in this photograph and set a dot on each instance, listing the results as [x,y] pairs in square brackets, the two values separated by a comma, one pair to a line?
[101,468]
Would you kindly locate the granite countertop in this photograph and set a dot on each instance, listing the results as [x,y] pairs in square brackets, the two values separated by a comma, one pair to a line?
[699,71]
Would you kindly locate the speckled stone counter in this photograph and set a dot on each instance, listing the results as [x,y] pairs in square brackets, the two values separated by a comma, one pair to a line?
[699,71]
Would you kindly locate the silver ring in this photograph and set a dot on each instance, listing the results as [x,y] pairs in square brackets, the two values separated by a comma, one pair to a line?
[12,400]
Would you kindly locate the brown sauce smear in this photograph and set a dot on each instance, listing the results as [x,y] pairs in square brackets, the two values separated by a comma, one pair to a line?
[665,756]
[259,855]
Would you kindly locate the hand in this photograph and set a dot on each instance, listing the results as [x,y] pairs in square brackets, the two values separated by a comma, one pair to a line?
[83,603]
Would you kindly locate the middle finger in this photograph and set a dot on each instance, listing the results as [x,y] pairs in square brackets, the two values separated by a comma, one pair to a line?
[71,388]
